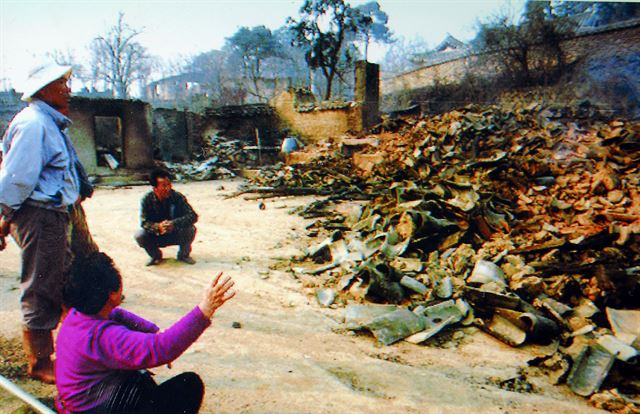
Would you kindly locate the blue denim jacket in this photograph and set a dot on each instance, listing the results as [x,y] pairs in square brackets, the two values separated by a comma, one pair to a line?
[39,161]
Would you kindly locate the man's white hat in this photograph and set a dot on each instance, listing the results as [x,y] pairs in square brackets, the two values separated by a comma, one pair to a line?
[42,75]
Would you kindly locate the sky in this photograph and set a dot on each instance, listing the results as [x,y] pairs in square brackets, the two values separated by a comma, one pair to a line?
[174,29]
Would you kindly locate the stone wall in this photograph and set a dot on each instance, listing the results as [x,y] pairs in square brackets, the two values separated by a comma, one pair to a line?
[618,39]
[427,76]
[608,73]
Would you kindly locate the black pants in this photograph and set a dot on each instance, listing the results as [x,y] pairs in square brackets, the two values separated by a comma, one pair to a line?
[152,243]
[139,394]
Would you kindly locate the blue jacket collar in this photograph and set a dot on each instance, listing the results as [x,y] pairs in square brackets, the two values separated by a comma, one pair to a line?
[60,120]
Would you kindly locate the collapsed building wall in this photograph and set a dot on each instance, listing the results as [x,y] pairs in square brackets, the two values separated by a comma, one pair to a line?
[115,133]
[176,134]
[180,135]
[10,105]
[314,120]
[367,94]
[247,123]
[104,130]
[315,123]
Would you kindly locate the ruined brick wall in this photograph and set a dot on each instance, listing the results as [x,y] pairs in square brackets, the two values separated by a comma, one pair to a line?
[138,149]
[367,95]
[134,120]
[10,105]
[241,122]
[621,40]
[172,134]
[82,134]
[136,125]
[315,124]
[313,121]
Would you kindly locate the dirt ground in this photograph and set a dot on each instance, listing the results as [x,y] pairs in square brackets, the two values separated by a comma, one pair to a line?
[289,355]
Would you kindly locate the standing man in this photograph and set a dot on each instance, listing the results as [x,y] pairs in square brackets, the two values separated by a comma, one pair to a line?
[39,186]
[167,219]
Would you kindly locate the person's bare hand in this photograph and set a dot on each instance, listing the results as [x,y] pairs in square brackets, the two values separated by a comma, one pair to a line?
[216,294]
[165,227]
[4,232]
[4,226]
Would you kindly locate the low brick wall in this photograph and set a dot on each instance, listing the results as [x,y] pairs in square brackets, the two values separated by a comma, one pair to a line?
[316,124]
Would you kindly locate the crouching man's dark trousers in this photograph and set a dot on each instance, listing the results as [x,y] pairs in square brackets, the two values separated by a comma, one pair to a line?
[180,237]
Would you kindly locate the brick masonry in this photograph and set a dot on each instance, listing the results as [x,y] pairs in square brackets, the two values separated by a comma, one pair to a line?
[336,120]
[620,40]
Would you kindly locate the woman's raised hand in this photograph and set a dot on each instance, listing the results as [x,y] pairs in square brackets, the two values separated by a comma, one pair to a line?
[216,294]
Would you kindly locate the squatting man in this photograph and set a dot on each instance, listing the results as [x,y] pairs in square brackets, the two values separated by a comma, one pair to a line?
[167,219]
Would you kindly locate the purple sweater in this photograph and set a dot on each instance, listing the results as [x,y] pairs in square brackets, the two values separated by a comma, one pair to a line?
[91,351]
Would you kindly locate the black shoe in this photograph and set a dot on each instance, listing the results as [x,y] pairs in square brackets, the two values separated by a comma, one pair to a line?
[187,260]
[154,261]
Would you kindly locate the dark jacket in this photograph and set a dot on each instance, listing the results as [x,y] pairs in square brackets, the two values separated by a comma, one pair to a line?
[86,188]
[175,208]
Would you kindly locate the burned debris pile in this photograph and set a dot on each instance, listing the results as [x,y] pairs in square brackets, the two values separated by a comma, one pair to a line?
[325,176]
[522,221]
[220,159]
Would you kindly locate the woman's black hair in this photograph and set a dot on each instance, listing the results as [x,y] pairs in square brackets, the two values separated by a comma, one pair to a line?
[158,173]
[91,281]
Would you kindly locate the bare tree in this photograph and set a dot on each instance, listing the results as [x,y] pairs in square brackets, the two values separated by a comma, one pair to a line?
[530,47]
[67,58]
[118,59]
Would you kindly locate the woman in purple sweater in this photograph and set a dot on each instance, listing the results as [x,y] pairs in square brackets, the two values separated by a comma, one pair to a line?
[103,351]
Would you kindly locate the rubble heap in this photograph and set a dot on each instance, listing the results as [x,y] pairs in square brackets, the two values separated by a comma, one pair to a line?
[520,220]
[326,175]
[220,158]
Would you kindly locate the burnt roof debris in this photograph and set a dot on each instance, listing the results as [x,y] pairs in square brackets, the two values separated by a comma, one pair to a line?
[524,217]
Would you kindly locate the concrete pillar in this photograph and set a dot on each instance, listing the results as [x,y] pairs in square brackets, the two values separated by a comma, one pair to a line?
[368,93]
